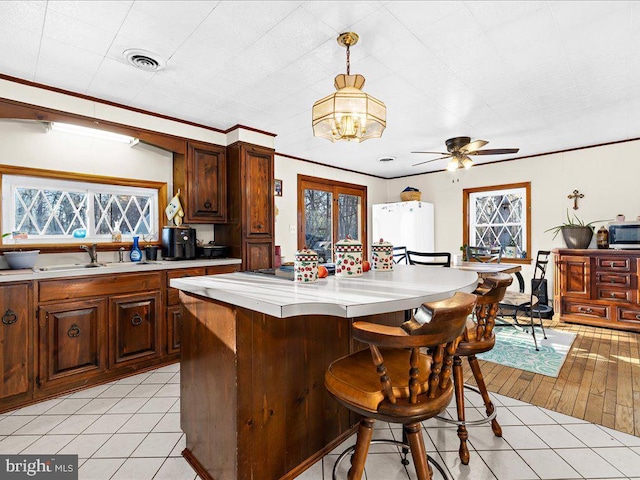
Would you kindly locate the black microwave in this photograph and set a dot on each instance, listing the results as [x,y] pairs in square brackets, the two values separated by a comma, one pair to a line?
[624,235]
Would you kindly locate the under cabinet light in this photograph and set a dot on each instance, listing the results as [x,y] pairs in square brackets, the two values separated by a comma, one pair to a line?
[91,132]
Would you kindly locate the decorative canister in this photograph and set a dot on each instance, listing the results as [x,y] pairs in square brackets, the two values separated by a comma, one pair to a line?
[382,255]
[348,258]
[305,266]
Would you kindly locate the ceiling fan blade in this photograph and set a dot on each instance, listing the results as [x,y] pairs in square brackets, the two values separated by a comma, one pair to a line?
[473,146]
[432,160]
[495,151]
[435,153]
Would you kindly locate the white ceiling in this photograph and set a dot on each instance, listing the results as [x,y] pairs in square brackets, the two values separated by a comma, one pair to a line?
[542,76]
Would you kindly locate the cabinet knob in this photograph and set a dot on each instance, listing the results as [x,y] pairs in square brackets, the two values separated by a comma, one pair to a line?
[637,317]
[207,204]
[585,310]
[136,320]
[9,317]
[74,331]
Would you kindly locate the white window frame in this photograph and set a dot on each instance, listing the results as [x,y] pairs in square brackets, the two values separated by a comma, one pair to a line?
[519,191]
[12,182]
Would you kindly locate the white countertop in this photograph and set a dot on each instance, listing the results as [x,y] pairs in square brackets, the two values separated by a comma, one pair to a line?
[113,268]
[374,292]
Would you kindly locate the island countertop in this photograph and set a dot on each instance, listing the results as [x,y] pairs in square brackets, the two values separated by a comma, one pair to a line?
[374,292]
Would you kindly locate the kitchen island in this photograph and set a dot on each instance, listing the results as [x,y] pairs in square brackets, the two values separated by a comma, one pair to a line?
[254,352]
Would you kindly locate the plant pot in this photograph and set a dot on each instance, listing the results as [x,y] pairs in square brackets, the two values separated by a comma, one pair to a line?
[577,237]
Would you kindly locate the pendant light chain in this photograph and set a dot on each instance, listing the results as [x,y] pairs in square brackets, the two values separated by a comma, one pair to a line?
[348,60]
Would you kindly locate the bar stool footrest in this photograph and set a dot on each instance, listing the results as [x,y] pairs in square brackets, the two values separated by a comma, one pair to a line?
[480,421]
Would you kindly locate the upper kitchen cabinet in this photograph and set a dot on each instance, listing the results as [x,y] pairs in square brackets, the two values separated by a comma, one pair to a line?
[201,177]
[251,208]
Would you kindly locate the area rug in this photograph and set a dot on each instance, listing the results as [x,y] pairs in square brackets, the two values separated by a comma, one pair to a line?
[515,348]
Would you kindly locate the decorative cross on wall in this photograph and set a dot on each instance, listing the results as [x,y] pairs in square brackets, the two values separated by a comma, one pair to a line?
[576,195]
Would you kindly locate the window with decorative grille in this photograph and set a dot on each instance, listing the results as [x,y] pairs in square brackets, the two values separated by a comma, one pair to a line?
[54,210]
[499,216]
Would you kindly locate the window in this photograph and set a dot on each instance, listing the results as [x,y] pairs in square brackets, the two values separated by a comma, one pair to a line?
[330,211]
[53,210]
[499,216]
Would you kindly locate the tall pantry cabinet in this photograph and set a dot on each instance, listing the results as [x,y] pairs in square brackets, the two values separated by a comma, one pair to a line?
[249,231]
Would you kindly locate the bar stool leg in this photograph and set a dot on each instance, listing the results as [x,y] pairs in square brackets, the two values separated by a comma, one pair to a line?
[463,435]
[490,408]
[418,451]
[359,458]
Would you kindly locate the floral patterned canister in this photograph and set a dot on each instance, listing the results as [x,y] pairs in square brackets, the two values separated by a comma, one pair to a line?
[382,255]
[305,266]
[348,258]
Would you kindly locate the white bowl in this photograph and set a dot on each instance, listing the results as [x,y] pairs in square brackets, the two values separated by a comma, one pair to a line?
[18,260]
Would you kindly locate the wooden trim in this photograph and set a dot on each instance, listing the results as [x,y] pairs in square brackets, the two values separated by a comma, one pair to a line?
[238,126]
[196,465]
[335,187]
[331,166]
[161,188]
[488,188]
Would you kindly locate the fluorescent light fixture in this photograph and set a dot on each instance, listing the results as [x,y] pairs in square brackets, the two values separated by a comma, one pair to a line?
[91,132]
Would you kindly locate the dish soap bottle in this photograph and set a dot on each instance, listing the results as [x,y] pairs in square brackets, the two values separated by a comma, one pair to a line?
[135,254]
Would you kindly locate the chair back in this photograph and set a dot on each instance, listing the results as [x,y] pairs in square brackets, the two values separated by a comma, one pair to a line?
[484,254]
[489,294]
[436,326]
[434,259]
[542,261]
[400,255]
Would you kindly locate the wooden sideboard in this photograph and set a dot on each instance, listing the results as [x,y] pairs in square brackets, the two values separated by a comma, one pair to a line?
[598,287]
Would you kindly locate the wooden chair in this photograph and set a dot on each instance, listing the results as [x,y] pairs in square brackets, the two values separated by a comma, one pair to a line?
[400,255]
[478,337]
[397,382]
[434,259]
[529,303]
[484,254]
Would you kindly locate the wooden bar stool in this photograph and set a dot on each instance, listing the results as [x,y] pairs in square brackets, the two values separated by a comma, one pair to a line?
[396,382]
[478,337]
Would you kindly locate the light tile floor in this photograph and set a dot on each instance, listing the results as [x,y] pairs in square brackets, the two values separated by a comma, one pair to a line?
[130,429]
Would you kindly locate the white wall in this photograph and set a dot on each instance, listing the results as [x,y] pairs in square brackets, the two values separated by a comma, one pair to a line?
[607,176]
[287,170]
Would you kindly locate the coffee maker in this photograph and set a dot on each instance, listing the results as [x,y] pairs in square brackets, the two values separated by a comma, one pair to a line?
[178,243]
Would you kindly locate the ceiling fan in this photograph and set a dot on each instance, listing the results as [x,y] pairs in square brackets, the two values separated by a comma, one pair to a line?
[461,149]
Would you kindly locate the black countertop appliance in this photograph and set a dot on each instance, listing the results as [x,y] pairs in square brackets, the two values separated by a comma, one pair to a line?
[178,243]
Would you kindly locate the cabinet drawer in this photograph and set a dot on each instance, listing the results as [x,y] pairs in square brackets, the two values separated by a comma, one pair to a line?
[629,315]
[585,309]
[78,287]
[617,279]
[612,293]
[173,294]
[613,264]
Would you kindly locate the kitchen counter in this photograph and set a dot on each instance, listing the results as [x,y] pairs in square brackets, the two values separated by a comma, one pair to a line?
[254,352]
[111,268]
[374,292]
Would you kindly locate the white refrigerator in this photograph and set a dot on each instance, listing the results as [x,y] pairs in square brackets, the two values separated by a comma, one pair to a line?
[405,224]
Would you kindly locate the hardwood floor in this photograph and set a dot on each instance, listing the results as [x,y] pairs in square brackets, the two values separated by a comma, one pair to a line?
[599,382]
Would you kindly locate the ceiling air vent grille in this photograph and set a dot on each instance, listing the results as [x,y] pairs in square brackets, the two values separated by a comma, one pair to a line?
[144,60]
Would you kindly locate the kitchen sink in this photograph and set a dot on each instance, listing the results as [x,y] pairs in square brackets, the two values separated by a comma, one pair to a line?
[74,266]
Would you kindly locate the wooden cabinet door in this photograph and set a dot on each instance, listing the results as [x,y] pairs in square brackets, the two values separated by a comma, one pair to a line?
[259,254]
[259,192]
[207,184]
[134,328]
[15,358]
[575,276]
[174,328]
[72,341]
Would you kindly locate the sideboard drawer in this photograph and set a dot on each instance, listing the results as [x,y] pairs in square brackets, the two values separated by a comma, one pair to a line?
[629,315]
[613,293]
[617,279]
[584,309]
[614,264]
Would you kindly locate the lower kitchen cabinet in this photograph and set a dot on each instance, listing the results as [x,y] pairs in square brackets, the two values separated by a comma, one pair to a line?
[15,339]
[72,342]
[134,328]
[174,325]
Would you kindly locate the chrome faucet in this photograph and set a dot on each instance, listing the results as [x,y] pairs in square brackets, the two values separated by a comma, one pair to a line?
[121,255]
[92,251]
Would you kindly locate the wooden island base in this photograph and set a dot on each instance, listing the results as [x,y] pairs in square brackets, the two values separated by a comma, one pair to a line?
[253,401]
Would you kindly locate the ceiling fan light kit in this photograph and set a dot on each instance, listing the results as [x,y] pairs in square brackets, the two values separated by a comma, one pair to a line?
[459,149]
[349,113]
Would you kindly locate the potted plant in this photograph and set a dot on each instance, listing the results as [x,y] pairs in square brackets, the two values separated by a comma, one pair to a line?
[575,232]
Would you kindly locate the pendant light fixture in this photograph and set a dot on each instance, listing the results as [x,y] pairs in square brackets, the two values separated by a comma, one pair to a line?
[349,113]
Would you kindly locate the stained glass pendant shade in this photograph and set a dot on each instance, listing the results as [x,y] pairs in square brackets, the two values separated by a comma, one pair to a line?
[349,113]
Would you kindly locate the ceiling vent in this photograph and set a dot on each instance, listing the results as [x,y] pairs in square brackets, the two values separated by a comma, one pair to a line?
[387,159]
[144,60]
